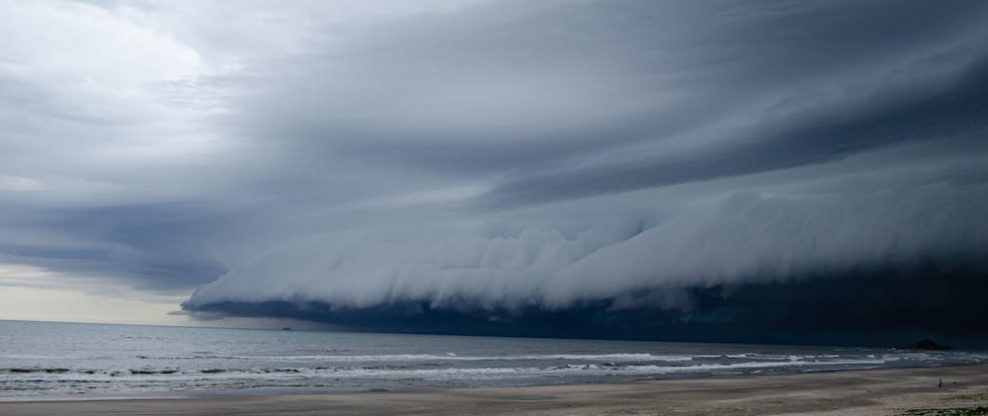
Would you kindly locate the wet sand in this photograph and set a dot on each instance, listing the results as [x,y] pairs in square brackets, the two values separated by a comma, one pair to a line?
[875,392]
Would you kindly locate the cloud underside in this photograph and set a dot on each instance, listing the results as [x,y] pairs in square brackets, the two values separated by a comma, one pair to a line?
[863,307]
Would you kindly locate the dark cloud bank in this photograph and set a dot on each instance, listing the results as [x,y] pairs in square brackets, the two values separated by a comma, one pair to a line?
[797,172]
[874,307]
[830,259]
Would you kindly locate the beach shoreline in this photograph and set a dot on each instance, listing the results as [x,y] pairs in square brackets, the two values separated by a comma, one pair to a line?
[859,392]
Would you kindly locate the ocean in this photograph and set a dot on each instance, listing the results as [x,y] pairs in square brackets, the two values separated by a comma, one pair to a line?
[68,360]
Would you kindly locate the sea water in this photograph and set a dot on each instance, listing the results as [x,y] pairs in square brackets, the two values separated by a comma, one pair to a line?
[63,360]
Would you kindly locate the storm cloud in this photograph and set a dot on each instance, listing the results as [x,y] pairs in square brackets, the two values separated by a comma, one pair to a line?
[634,169]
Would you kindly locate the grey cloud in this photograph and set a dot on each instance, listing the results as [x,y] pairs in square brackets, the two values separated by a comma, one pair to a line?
[952,115]
[148,246]
[520,156]
[511,91]
[761,236]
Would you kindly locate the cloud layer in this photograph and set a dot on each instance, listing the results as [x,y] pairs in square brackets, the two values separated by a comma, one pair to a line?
[506,155]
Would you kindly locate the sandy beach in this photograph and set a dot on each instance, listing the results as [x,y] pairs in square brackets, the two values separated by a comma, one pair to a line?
[874,392]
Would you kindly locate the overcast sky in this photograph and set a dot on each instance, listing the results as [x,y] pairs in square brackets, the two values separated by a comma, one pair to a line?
[508,153]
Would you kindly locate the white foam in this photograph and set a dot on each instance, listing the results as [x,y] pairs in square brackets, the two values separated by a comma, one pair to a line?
[444,368]
[453,357]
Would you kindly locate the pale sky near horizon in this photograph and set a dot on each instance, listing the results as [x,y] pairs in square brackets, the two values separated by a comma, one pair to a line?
[79,306]
[69,299]
[34,294]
